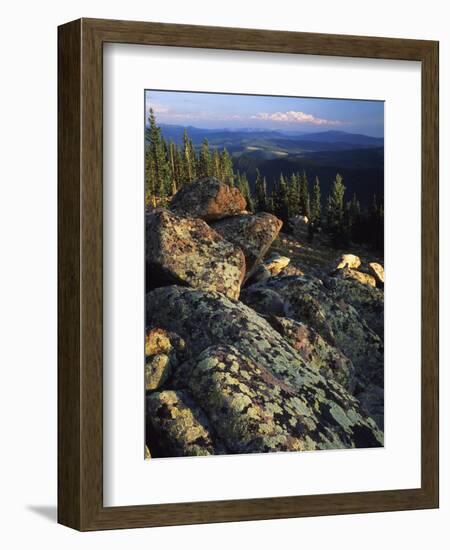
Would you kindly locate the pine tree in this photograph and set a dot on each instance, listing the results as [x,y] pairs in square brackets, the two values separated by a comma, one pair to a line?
[281,200]
[174,171]
[335,211]
[159,178]
[260,192]
[316,207]
[226,168]
[189,159]
[304,206]
[244,187]
[294,196]
[204,160]
[215,165]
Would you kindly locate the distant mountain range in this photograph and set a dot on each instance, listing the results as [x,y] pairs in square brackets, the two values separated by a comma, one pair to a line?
[357,157]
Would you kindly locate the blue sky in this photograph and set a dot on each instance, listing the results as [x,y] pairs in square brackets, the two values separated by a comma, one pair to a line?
[206,110]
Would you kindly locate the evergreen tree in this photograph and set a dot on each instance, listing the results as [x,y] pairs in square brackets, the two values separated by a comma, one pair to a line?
[204,160]
[216,166]
[189,160]
[316,207]
[353,219]
[159,178]
[304,206]
[244,187]
[281,200]
[294,196]
[226,165]
[260,192]
[174,168]
[335,211]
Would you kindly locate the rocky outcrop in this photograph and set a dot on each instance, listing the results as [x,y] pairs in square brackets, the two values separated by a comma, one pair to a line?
[252,233]
[210,319]
[176,426]
[163,351]
[348,260]
[288,362]
[208,199]
[367,300]
[251,410]
[361,277]
[187,251]
[270,267]
[276,264]
[316,351]
[377,271]
[323,309]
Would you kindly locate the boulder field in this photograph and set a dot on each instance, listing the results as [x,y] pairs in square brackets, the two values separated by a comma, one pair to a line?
[239,356]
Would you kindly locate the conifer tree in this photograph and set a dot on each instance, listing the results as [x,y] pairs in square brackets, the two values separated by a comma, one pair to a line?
[204,160]
[215,165]
[226,168]
[281,200]
[158,166]
[316,207]
[304,205]
[335,211]
[260,192]
[244,187]
[174,171]
[189,164]
[294,195]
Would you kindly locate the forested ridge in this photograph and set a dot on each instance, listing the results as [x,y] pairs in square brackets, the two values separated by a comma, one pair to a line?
[169,166]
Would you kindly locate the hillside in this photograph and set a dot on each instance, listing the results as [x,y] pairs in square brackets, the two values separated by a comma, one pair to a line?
[358,158]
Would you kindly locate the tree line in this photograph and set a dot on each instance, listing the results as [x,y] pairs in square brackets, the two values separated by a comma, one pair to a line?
[169,166]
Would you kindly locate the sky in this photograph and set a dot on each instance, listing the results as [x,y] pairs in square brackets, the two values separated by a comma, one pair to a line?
[233,111]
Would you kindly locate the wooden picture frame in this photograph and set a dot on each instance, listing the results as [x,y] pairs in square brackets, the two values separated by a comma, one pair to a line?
[80,272]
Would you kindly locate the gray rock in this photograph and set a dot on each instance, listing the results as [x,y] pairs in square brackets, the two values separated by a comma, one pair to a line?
[176,426]
[252,233]
[210,319]
[348,260]
[328,312]
[377,271]
[316,351]
[187,251]
[252,410]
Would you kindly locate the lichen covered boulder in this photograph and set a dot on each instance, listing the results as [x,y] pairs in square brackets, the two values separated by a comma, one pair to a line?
[316,351]
[176,426]
[308,300]
[329,312]
[210,319]
[251,410]
[377,271]
[367,300]
[163,351]
[348,260]
[263,300]
[359,276]
[276,264]
[204,319]
[187,251]
[252,233]
[208,199]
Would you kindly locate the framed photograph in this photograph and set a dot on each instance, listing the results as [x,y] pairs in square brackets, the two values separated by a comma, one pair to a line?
[234,207]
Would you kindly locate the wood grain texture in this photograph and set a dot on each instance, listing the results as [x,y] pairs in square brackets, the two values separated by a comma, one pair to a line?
[69,247]
[80,397]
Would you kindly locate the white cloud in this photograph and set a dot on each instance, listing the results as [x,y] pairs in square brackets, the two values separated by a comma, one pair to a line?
[297,117]
[157,108]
